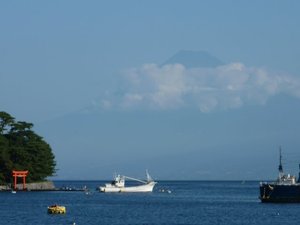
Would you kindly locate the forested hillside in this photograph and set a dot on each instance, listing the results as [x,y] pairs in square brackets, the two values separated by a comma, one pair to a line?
[22,149]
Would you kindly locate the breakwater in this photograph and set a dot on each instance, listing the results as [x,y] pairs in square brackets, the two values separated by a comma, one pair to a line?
[37,186]
[43,186]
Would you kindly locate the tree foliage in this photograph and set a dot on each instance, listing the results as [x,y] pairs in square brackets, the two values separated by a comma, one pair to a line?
[22,149]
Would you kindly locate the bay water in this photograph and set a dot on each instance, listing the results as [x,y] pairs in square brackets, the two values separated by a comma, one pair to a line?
[172,202]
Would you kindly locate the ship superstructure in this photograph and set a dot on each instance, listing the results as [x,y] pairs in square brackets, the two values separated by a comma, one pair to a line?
[284,189]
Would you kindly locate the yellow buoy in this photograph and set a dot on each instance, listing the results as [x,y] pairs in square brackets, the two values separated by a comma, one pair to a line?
[56,209]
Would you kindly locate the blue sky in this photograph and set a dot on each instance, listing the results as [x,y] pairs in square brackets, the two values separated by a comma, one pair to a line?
[59,59]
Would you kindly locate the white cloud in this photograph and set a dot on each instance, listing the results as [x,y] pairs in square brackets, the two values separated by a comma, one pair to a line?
[228,86]
[106,104]
[131,99]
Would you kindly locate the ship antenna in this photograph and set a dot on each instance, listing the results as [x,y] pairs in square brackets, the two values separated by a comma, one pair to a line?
[280,163]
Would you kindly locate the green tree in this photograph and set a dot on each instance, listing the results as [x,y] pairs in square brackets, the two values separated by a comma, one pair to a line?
[5,162]
[22,149]
[5,121]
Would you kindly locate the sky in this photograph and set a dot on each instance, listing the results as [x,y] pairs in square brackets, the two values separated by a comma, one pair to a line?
[76,67]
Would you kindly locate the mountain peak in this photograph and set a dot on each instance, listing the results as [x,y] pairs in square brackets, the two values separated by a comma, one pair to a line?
[194,59]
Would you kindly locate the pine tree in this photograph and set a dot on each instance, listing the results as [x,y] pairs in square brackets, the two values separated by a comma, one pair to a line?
[22,149]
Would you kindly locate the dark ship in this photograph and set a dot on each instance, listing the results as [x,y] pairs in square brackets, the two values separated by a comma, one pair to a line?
[284,189]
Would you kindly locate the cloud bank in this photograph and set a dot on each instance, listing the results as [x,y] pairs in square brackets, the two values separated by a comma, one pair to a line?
[207,89]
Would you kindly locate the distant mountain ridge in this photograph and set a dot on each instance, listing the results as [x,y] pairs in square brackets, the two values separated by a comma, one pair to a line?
[184,141]
[175,144]
[194,59]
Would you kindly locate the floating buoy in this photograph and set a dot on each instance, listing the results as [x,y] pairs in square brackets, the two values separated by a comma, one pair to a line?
[57,209]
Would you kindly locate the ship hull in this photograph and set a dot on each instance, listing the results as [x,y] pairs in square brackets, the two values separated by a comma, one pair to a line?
[275,193]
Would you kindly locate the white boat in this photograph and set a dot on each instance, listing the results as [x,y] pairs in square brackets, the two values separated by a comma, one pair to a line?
[118,185]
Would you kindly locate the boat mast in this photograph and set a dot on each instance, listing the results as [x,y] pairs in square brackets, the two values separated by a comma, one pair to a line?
[280,164]
[149,178]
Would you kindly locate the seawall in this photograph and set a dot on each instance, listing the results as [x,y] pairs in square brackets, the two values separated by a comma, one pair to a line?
[37,186]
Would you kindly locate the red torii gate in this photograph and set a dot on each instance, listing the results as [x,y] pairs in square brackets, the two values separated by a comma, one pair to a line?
[19,173]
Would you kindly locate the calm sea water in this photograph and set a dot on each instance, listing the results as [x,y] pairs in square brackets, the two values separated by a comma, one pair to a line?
[190,202]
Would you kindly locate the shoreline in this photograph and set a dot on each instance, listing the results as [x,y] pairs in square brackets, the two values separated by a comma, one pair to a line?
[39,186]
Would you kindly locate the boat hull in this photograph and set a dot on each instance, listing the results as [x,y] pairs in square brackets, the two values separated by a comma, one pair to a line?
[279,193]
[141,188]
